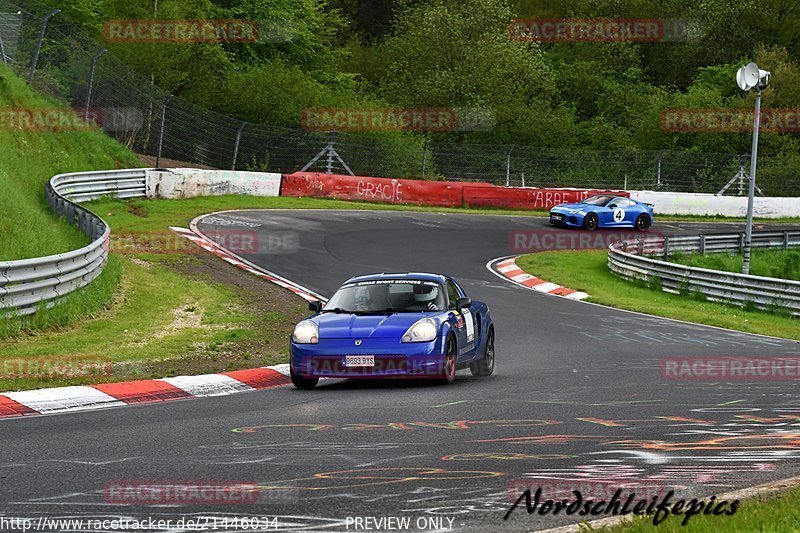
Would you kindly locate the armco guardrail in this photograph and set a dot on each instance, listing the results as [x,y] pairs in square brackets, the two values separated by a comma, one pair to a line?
[27,284]
[634,260]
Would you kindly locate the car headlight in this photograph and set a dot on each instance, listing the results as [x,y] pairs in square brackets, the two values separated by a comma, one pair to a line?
[306,332]
[423,330]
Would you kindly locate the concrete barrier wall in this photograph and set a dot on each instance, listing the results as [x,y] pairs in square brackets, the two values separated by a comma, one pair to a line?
[676,203]
[190,182]
[431,193]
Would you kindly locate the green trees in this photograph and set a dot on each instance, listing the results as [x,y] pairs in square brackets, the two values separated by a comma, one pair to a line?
[457,54]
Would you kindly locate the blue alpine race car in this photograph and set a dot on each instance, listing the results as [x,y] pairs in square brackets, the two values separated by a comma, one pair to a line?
[393,325]
[604,211]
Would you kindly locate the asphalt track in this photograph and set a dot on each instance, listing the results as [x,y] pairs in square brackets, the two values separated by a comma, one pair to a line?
[577,401]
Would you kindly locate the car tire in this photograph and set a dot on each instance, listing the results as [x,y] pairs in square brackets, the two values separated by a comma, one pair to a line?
[485,366]
[590,222]
[300,382]
[450,361]
[643,222]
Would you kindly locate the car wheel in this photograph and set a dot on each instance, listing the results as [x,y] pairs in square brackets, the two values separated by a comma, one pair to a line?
[643,222]
[485,366]
[450,363]
[300,382]
[590,222]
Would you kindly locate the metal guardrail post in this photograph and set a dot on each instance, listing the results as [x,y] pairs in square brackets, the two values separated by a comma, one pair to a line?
[329,161]
[666,247]
[91,82]
[702,245]
[236,144]
[508,165]
[721,286]
[424,154]
[38,48]
[3,50]
[161,129]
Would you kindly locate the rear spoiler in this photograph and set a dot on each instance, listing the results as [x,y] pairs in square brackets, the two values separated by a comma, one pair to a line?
[649,205]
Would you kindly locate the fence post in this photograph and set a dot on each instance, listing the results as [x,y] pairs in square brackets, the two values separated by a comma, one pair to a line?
[658,172]
[666,247]
[424,154]
[785,239]
[161,129]
[702,245]
[236,145]
[329,162]
[508,166]
[3,50]
[38,49]
[91,82]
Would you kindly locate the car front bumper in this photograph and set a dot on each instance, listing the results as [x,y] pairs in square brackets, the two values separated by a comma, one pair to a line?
[392,358]
[562,218]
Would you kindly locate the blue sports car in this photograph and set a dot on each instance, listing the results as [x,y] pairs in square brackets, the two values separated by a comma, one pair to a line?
[604,211]
[393,325]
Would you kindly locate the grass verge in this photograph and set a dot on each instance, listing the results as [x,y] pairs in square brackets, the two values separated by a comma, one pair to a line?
[28,158]
[586,270]
[783,264]
[172,314]
[774,513]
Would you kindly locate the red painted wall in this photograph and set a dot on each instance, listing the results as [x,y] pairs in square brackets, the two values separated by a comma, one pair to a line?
[422,192]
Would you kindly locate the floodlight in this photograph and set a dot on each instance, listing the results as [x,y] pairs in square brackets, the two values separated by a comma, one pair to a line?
[748,77]
[751,76]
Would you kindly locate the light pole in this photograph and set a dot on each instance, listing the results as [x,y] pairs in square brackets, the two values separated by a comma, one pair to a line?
[748,77]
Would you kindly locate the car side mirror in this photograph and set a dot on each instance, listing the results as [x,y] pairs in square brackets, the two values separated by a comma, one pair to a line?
[315,305]
[461,303]
[612,206]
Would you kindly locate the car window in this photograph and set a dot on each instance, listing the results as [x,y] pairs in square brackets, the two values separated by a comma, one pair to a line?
[598,200]
[623,202]
[452,294]
[388,295]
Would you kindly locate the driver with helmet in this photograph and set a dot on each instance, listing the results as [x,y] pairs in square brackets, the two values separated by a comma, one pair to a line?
[428,297]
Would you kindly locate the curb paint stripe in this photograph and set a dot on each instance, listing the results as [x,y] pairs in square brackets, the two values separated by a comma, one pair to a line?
[104,395]
[208,385]
[145,391]
[220,252]
[508,269]
[10,408]
[61,399]
[259,378]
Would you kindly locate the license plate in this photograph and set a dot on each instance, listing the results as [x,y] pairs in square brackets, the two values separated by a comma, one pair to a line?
[359,360]
[557,217]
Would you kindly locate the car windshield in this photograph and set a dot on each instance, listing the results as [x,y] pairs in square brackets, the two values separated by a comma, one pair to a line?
[387,296]
[598,200]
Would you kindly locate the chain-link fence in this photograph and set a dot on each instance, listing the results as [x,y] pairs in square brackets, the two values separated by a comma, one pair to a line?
[62,61]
